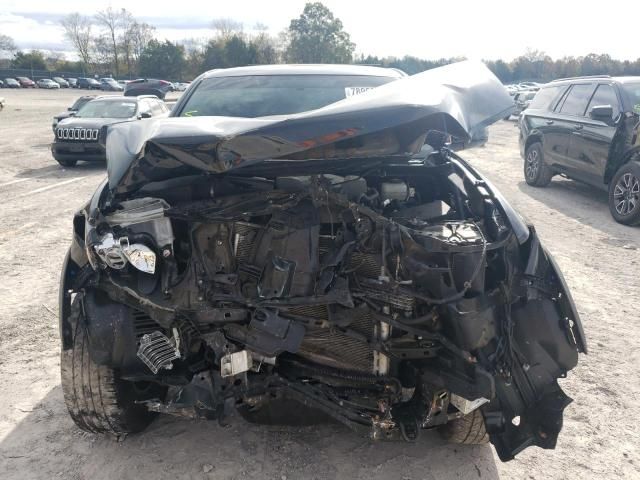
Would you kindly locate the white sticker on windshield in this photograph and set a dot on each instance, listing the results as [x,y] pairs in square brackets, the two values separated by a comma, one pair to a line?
[351,91]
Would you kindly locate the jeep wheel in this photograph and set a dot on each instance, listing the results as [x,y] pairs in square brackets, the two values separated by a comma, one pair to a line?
[624,194]
[67,163]
[536,171]
[98,400]
[468,430]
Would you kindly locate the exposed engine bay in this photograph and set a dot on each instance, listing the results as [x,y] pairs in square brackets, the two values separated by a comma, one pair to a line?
[393,298]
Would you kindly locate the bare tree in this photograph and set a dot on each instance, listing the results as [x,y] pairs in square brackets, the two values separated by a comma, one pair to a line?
[135,39]
[77,29]
[102,50]
[127,23]
[260,27]
[112,21]
[7,44]
[226,27]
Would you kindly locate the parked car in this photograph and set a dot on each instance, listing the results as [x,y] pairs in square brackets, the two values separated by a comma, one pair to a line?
[586,128]
[76,137]
[61,81]
[530,85]
[26,82]
[512,89]
[522,100]
[180,86]
[122,83]
[300,250]
[79,103]
[88,84]
[1,84]
[47,83]
[1,103]
[73,82]
[147,86]
[11,83]
[110,85]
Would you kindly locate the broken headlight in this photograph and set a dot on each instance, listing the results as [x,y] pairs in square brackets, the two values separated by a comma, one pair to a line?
[115,253]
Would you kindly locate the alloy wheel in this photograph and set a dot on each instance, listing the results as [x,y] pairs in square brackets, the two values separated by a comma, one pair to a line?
[626,194]
[533,164]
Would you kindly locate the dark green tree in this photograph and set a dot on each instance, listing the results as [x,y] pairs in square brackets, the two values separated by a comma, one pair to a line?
[500,69]
[236,50]
[318,37]
[164,60]
[33,60]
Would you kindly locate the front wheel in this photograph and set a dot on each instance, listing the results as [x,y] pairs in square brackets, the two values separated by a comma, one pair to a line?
[98,400]
[536,172]
[624,194]
[468,430]
[67,163]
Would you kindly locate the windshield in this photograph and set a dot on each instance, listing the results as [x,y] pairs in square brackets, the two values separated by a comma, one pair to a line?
[80,102]
[633,90]
[261,96]
[107,109]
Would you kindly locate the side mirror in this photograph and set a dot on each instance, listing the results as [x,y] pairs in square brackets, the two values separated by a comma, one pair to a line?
[144,115]
[602,112]
[72,113]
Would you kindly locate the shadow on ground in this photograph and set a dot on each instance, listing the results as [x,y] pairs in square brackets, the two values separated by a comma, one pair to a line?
[81,168]
[45,444]
[585,204]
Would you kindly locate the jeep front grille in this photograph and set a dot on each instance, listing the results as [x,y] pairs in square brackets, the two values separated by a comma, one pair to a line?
[78,134]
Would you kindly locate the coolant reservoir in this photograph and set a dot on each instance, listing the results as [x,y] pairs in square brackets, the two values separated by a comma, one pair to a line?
[394,189]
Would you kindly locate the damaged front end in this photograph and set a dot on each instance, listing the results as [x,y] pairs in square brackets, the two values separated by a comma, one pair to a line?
[394,292]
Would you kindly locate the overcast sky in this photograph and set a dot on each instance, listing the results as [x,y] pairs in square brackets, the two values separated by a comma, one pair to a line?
[426,29]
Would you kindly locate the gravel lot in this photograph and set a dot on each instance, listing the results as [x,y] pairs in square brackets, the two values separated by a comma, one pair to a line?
[600,259]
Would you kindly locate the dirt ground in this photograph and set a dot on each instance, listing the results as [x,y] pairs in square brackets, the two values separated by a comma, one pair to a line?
[599,258]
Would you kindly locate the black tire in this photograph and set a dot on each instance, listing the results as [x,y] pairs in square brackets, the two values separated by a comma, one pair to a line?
[67,163]
[536,172]
[467,430]
[97,399]
[624,194]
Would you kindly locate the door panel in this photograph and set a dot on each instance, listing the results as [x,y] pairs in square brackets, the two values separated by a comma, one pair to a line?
[589,145]
[571,112]
[555,130]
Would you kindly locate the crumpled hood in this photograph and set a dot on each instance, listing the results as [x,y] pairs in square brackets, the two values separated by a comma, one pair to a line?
[459,99]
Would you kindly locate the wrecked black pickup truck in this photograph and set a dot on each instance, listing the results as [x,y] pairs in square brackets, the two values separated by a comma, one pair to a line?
[305,234]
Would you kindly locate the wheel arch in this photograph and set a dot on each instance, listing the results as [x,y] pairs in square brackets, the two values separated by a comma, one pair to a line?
[534,137]
[616,161]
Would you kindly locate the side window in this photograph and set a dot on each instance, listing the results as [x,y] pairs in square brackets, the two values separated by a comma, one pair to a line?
[157,107]
[144,106]
[545,98]
[577,99]
[605,95]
